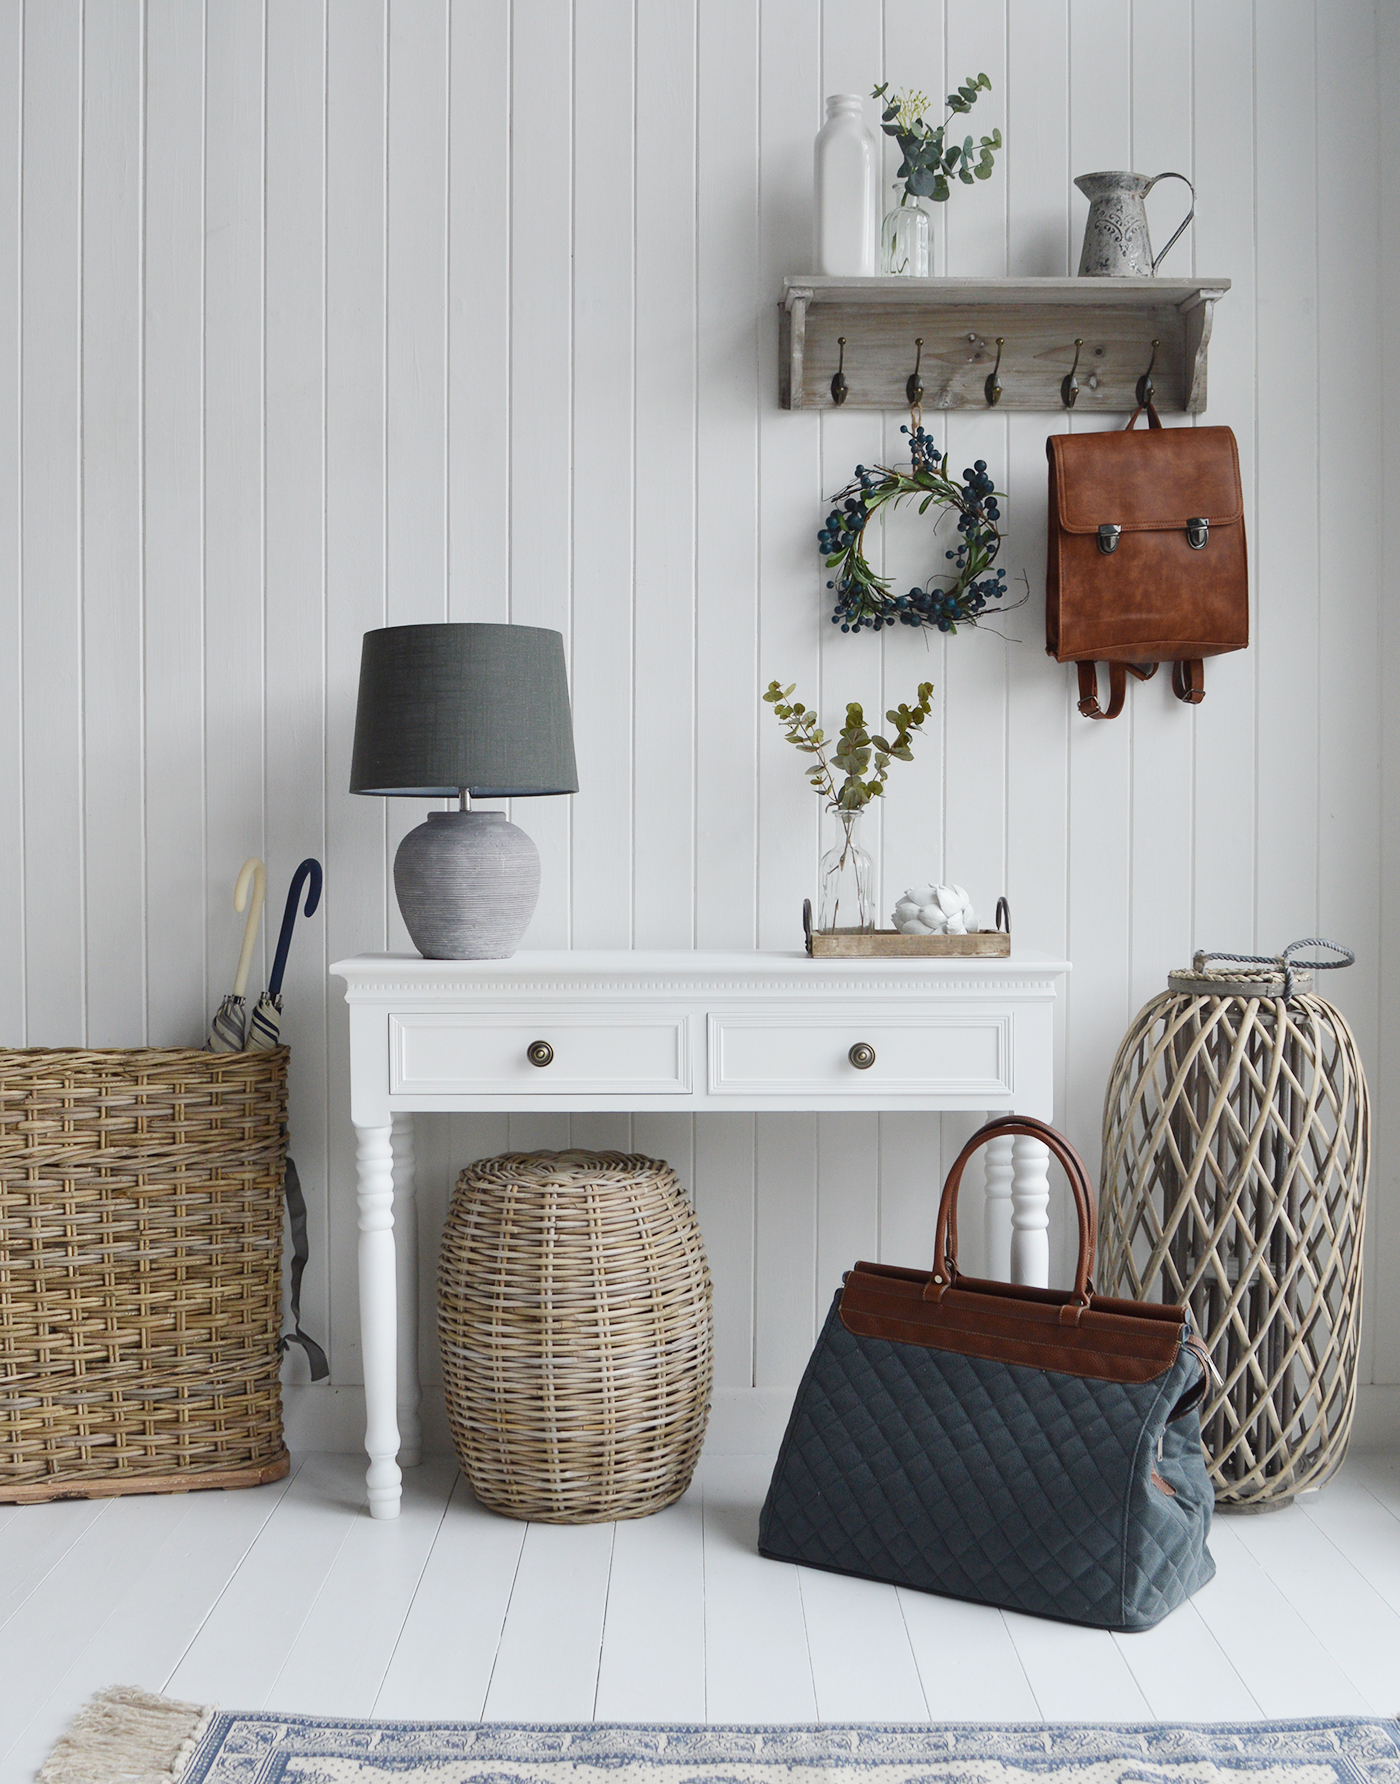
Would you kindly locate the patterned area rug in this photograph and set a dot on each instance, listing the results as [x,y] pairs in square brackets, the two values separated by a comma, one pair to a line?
[149,1740]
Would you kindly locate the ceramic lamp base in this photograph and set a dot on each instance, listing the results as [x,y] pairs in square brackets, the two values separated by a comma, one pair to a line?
[467,884]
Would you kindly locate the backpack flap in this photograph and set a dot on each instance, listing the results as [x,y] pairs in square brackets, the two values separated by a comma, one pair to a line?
[1147,559]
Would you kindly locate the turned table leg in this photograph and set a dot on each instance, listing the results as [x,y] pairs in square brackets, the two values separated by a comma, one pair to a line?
[406,1281]
[374,1155]
[1030,1216]
[996,1172]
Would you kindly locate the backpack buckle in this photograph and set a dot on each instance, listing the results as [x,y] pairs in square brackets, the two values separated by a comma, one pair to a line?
[1197,532]
[1108,537]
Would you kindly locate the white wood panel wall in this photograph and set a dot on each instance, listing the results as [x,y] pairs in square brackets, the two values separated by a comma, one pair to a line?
[325,314]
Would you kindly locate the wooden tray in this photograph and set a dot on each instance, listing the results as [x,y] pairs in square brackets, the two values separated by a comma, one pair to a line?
[864,944]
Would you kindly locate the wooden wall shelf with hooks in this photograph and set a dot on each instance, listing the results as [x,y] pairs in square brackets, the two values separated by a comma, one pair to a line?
[959,320]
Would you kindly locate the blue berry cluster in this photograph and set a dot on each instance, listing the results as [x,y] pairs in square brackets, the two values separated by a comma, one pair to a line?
[864,601]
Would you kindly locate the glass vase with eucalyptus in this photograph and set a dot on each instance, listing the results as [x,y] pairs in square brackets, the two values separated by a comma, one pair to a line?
[847,878]
[847,772]
[906,240]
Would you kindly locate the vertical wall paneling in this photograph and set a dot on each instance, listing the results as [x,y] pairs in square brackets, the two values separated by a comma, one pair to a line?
[51,507]
[734,313]
[233,469]
[114,682]
[612,489]
[664,548]
[12,1019]
[172,446]
[295,581]
[320,317]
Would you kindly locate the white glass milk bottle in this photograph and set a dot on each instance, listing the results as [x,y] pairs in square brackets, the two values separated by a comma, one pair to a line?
[847,190]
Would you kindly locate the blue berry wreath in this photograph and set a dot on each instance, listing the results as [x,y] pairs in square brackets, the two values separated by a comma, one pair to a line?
[864,599]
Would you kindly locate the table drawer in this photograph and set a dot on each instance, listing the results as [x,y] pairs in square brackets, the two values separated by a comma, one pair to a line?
[953,1053]
[450,1054]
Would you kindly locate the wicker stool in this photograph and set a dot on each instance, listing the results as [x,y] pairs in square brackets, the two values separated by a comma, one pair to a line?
[574,1319]
[140,1271]
[1235,1150]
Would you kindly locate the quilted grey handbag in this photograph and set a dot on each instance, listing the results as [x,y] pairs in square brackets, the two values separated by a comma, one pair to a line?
[1031,1448]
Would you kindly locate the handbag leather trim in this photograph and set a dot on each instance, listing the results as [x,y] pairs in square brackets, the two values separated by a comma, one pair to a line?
[1113,1340]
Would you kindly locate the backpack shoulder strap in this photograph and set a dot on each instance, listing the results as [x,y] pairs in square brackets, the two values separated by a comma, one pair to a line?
[1089,690]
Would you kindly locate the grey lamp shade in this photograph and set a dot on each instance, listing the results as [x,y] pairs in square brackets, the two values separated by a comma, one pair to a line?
[451,706]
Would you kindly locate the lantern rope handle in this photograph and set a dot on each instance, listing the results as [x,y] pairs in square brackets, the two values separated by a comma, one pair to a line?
[1285,961]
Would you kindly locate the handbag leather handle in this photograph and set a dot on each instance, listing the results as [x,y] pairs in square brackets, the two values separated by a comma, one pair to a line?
[1153,418]
[945,1239]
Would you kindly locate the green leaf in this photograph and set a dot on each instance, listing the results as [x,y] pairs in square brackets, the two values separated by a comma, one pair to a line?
[966,177]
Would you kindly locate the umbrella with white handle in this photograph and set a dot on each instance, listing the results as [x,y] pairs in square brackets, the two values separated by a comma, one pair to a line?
[226,1030]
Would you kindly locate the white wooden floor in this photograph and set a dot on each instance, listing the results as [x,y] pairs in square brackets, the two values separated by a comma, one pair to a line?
[291,1597]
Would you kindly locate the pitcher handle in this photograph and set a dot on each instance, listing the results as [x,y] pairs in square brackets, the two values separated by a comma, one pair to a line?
[1158,258]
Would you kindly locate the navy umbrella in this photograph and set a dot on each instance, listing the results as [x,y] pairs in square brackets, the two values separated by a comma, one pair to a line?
[265,1029]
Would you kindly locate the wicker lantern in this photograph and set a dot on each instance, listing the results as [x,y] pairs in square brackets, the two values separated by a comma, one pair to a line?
[1235,1153]
[574,1318]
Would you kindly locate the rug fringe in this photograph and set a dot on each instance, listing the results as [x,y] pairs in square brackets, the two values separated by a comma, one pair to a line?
[127,1736]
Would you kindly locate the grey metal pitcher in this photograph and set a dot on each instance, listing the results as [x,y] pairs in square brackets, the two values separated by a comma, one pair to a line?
[1116,244]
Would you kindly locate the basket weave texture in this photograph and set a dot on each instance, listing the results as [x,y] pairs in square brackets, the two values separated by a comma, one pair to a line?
[574,1306]
[1236,1147]
[140,1270]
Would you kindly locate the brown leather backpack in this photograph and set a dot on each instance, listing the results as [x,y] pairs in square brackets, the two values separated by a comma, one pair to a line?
[1147,560]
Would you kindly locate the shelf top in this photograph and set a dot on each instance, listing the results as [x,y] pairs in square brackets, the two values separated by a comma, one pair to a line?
[822,288]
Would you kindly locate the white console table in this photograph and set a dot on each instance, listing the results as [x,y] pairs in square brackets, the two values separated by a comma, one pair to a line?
[591,1031]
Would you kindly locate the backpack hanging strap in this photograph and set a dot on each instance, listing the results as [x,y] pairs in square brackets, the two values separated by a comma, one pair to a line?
[1189,681]
[1089,690]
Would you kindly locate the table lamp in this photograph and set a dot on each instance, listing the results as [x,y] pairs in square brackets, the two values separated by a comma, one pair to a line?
[472,711]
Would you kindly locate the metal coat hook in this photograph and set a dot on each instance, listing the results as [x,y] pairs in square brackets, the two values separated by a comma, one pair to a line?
[840,390]
[1144,383]
[914,388]
[1069,384]
[992,386]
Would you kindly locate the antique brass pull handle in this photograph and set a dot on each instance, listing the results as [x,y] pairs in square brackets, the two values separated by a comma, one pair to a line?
[539,1053]
[862,1056]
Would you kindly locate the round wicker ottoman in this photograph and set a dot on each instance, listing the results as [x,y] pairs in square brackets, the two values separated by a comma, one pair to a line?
[574,1319]
[1235,1149]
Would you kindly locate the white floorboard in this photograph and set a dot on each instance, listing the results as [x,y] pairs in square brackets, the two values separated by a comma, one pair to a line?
[653,1661]
[290,1596]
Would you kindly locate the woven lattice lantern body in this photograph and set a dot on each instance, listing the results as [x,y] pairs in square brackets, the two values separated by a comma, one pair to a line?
[574,1316]
[1235,1154]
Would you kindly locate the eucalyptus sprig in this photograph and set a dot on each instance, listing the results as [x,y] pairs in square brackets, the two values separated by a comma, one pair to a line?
[863,760]
[930,162]
[865,599]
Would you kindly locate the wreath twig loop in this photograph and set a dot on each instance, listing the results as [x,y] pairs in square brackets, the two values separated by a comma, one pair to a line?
[864,599]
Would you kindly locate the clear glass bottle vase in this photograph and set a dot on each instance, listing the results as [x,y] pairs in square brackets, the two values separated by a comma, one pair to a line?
[906,240]
[847,898]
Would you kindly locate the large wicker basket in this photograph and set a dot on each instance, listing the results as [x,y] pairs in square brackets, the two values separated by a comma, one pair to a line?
[574,1316]
[140,1271]
[1236,1145]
